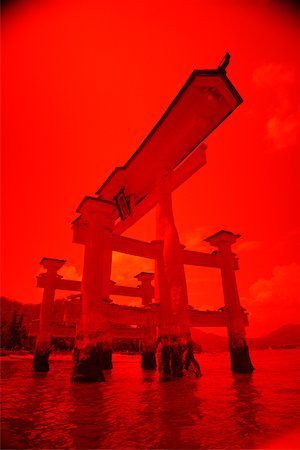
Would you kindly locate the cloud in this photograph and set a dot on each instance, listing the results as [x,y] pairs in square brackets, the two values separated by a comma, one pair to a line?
[128,301]
[125,267]
[275,301]
[247,246]
[282,289]
[69,272]
[193,240]
[280,82]
[283,132]
[268,74]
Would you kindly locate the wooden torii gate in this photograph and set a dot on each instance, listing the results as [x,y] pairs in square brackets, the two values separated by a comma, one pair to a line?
[170,154]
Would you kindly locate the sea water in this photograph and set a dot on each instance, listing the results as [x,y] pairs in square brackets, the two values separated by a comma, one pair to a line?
[133,409]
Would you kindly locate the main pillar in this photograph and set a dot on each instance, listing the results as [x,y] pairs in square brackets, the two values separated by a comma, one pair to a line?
[149,341]
[43,344]
[239,352]
[93,343]
[175,352]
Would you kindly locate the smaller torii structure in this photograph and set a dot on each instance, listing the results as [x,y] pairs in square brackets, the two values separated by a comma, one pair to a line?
[171,153]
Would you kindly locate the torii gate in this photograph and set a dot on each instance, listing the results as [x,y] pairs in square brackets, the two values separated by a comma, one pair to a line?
[170,154]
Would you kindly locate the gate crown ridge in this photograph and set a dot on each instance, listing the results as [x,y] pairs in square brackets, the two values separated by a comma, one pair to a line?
[222,236]
[52,263]
[77,221]
[202,104]
[144,276]
[93,204]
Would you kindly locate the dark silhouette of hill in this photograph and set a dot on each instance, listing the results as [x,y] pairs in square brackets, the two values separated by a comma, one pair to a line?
[7,307]
[19,314]
[284,337]
[209,342]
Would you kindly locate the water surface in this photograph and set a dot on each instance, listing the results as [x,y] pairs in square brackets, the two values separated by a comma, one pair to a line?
[134,410]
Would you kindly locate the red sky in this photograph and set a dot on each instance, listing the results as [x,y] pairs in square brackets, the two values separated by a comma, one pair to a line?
[83,83]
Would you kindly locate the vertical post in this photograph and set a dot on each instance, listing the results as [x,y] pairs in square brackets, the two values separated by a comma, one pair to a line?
[72,309]
[239,352]
[146,287]
[93,343]
[149,341]
[174,352]
[43,344]
[161,291]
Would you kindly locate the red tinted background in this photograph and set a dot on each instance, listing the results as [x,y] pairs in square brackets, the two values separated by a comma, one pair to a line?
[84,83]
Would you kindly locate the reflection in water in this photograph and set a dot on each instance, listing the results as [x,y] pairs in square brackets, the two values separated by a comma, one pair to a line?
[179,413]
[134,410]
[85,407]
[247,406]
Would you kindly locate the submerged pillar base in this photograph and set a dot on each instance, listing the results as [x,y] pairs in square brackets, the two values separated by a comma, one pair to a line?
[41,357]
[176,359]
[88,364]
[107,359]
[191,365]
[148,360]
[239,355]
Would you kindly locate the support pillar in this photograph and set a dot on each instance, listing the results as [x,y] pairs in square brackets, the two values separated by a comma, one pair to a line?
[43,344]
[239,352]
[175,351]
[93,343]
[149,341]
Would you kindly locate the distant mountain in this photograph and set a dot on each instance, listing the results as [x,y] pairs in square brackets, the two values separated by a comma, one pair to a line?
[7,307]
[209,342]
[284,337]
[15,320]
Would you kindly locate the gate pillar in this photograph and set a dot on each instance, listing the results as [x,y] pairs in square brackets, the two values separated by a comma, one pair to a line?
[239,352]
[174,352]
[149,341]
[43,344]
[93,343]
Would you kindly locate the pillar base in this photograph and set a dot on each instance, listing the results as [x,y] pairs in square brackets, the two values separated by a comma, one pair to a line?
[107,359]
[191,365]
[88,364]
[176,359]
[148,360]
[240,357]
[164,362]
[41,357]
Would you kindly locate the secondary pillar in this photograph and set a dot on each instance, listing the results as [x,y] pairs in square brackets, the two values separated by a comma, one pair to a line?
[93,343]
[175,352]
[149,341]
[43,344]
[239,352]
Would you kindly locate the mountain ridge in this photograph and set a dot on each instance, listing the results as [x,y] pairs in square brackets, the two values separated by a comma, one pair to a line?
[285,336]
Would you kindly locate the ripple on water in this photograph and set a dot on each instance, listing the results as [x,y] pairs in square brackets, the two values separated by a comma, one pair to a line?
[134,410]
